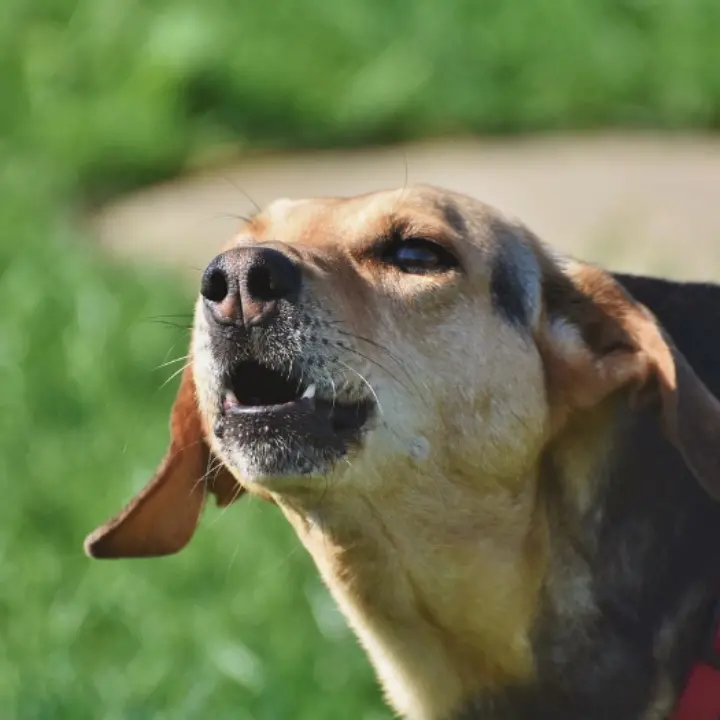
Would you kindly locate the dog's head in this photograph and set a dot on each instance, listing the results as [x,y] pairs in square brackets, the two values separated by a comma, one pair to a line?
[386,343]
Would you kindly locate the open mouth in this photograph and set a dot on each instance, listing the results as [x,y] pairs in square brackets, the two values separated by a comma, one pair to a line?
[254,389]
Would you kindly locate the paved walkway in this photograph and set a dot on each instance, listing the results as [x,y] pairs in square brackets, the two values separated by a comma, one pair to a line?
[635,203]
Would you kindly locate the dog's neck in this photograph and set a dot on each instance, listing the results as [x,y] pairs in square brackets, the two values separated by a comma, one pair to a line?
[446,579]
[442,593]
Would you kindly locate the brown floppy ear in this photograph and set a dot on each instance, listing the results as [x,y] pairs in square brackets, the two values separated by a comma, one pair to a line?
[162,518]
[596,339]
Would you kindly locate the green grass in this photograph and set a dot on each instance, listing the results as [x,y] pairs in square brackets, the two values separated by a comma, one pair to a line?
[99,96]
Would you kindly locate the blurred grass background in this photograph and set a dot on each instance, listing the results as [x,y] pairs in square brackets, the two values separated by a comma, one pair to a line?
[103,96]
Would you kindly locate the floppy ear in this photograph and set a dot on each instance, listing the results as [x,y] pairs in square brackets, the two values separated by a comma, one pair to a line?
[596,340]
[162,518]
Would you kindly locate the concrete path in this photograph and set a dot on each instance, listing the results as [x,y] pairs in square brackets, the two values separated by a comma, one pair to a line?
[647,203]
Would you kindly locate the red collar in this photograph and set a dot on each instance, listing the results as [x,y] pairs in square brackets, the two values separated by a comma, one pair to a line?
[701,698]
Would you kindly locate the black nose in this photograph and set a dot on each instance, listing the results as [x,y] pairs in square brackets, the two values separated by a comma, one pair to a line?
[246,284]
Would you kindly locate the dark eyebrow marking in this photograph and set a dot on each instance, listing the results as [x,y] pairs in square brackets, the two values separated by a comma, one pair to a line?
[515,275]
[453,217]
[507,291]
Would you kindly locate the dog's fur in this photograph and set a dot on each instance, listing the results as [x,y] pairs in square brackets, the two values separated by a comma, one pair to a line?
[527,526]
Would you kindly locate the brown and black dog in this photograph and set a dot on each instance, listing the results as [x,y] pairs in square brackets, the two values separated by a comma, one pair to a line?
[505,463]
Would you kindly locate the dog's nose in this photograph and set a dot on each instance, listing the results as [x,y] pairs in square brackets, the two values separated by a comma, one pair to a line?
[245,284]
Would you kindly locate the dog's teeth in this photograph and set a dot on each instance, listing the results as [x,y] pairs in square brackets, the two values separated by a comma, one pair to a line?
[310,392]
[230,400]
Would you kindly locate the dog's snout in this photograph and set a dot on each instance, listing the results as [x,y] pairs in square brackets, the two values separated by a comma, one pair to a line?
[244,285]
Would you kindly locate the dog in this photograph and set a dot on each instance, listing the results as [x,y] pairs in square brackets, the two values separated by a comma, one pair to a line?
[504,462]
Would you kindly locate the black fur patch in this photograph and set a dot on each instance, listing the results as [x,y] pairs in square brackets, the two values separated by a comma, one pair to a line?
[507,292]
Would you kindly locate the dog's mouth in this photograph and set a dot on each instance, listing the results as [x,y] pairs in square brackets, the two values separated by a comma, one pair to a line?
[255,391]
[253,386]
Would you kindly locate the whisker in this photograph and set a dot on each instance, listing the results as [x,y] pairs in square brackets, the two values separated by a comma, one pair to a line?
[187,447]
[405,183]
[370,387]
[187,316]
[238,492]
[214,465]
[242,192]
[231,216]
[172,362]
[391,355]
[384,369]
[231,560]
[168,323]
[371,342]
[175,374]
[203,478]
[332,385]
[251,505]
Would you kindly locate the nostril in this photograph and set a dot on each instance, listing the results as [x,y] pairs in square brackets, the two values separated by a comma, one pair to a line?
[262,285]
[214,286]
[271,275]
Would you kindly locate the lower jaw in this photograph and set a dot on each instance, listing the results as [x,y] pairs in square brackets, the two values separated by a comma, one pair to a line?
[286,448]
[271,453]
[303,437]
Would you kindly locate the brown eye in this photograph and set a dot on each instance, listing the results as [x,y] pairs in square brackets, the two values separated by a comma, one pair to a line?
[419,256]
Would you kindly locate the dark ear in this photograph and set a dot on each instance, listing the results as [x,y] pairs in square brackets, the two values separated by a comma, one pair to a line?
[162,518]
[596,340]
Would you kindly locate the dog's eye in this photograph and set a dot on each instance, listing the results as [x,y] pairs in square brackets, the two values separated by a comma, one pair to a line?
[419,256]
